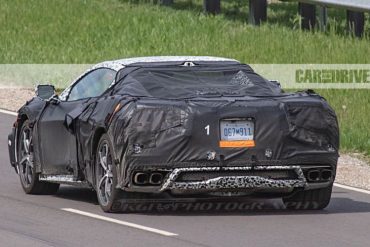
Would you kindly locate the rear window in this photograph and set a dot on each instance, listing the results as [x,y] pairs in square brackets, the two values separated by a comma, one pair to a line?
[196,82]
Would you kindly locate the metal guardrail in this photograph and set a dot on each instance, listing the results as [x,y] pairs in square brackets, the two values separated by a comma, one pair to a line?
[354,5]
[355,13]
[307,9]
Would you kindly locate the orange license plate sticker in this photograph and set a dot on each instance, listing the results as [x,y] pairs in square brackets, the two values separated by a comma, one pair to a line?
[237,144]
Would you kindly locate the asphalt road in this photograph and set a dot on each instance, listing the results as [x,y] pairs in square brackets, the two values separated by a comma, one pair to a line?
[28,220]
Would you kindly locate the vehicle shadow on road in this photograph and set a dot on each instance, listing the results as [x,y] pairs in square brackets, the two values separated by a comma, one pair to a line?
[190,207]
[77,194]
[340,205]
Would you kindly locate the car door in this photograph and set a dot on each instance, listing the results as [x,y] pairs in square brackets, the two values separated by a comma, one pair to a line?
[58,144]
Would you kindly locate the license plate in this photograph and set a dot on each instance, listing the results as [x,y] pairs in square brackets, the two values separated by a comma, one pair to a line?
[237,133]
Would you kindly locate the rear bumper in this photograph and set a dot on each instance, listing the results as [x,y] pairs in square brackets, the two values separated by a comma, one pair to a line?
[236,180]
[234,183]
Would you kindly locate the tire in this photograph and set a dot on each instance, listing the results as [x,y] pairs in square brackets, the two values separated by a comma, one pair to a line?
[106,176]
[27,171]
[317,199]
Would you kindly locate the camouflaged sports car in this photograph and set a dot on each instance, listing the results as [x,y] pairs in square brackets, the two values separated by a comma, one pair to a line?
[175,127]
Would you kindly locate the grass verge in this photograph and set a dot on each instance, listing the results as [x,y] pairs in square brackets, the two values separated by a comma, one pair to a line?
[87,31]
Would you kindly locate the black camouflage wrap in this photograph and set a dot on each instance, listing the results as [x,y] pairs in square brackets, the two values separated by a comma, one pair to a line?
[166,122]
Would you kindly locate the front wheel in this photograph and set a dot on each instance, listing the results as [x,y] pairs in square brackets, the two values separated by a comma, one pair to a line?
[309,199]
[27,171]
[106,175]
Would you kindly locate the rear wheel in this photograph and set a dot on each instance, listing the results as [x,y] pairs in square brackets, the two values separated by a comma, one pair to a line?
[27,171]
[309,199]
[106,176]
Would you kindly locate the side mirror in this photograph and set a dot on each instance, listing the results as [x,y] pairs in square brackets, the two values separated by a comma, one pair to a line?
[45,92]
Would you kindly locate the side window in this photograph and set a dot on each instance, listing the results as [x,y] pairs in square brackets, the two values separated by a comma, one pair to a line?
[92,85]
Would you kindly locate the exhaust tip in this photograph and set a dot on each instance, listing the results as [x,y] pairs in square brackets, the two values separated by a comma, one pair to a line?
[326,174]
[313,175]
[156,178]
[141,178]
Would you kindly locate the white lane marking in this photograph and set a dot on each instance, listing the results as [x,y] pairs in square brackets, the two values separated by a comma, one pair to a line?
[8,112]
[335,184]
[120,222]
[351,188]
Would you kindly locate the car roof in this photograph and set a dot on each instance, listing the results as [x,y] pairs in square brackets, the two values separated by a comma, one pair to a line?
[121,63]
